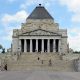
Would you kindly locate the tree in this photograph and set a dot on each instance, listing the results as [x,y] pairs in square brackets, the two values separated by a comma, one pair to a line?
[1,46]
[3,50]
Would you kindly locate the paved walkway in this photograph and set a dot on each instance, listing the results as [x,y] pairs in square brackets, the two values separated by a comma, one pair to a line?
[38,75]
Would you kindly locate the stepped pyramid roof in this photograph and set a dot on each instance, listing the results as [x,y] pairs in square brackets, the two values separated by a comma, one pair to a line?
[40,13]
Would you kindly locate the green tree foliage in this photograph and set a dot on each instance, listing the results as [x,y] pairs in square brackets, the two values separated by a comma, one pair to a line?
[1,46]
[3,50]
[76,52]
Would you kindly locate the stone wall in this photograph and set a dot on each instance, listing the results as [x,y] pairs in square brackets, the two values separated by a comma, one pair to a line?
[15,45]
[64,45]
[45,24]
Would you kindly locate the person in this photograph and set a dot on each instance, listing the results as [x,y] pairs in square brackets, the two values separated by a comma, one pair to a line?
[38,58]
[5,67]
[35,50]
[0,68]
[50,63]
[42,61]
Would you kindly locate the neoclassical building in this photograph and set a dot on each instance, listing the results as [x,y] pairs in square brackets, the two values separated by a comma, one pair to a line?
[39,34]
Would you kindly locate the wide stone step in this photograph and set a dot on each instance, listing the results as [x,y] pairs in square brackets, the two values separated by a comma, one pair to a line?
[41,56]
[56,66]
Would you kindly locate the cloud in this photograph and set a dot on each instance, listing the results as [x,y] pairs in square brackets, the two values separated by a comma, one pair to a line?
[18,17]
[15,20]
[74,7]
[74,38]
[11,22]
[76,18]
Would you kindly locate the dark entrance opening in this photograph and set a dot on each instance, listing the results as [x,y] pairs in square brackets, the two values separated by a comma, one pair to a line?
[22,45]
[57,42]
[51,45]
[28,45]
[45,45]
[39,45]
[33,45]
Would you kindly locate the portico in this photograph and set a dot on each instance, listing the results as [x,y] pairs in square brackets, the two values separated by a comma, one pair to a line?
[40,45]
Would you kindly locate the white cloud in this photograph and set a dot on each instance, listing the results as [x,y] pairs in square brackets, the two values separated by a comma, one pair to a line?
[74,38]
[73,6]
[76,18]
[74,33]
[9,32]
[11,22]
[18,17]
[74,42]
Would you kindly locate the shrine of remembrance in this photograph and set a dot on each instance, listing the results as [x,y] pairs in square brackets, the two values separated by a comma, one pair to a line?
[40,33]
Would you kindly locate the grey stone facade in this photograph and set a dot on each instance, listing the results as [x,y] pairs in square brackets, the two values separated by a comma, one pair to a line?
[40,34]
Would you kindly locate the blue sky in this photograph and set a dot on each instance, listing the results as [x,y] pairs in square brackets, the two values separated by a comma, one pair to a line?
[64,12]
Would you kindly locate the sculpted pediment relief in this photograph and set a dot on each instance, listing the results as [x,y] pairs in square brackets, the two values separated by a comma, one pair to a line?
[40,32]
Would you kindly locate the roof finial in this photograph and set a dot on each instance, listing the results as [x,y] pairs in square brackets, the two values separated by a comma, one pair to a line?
[39,4]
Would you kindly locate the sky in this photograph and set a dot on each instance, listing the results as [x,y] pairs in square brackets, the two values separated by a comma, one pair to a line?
[64,12]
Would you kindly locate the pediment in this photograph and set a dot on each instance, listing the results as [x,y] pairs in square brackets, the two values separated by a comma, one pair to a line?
[40,32]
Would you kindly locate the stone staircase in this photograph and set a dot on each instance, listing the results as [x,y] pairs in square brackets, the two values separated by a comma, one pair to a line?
[42,56]
[30,61]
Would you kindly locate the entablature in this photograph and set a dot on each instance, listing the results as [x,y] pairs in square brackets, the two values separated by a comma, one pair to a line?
[40,32]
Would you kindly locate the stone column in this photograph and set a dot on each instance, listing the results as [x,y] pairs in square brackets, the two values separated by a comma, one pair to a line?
[19,47]
[25,46]
[42,45]
[54,45]
[30,45]
[48,45]
[59,47]
[37,45]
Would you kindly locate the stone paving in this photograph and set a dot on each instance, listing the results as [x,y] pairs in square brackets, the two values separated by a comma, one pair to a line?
[38,75]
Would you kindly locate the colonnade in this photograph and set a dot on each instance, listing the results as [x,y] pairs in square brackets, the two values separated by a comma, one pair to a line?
[39,45]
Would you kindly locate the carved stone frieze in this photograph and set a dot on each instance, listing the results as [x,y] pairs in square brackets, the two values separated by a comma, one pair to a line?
[40,32]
